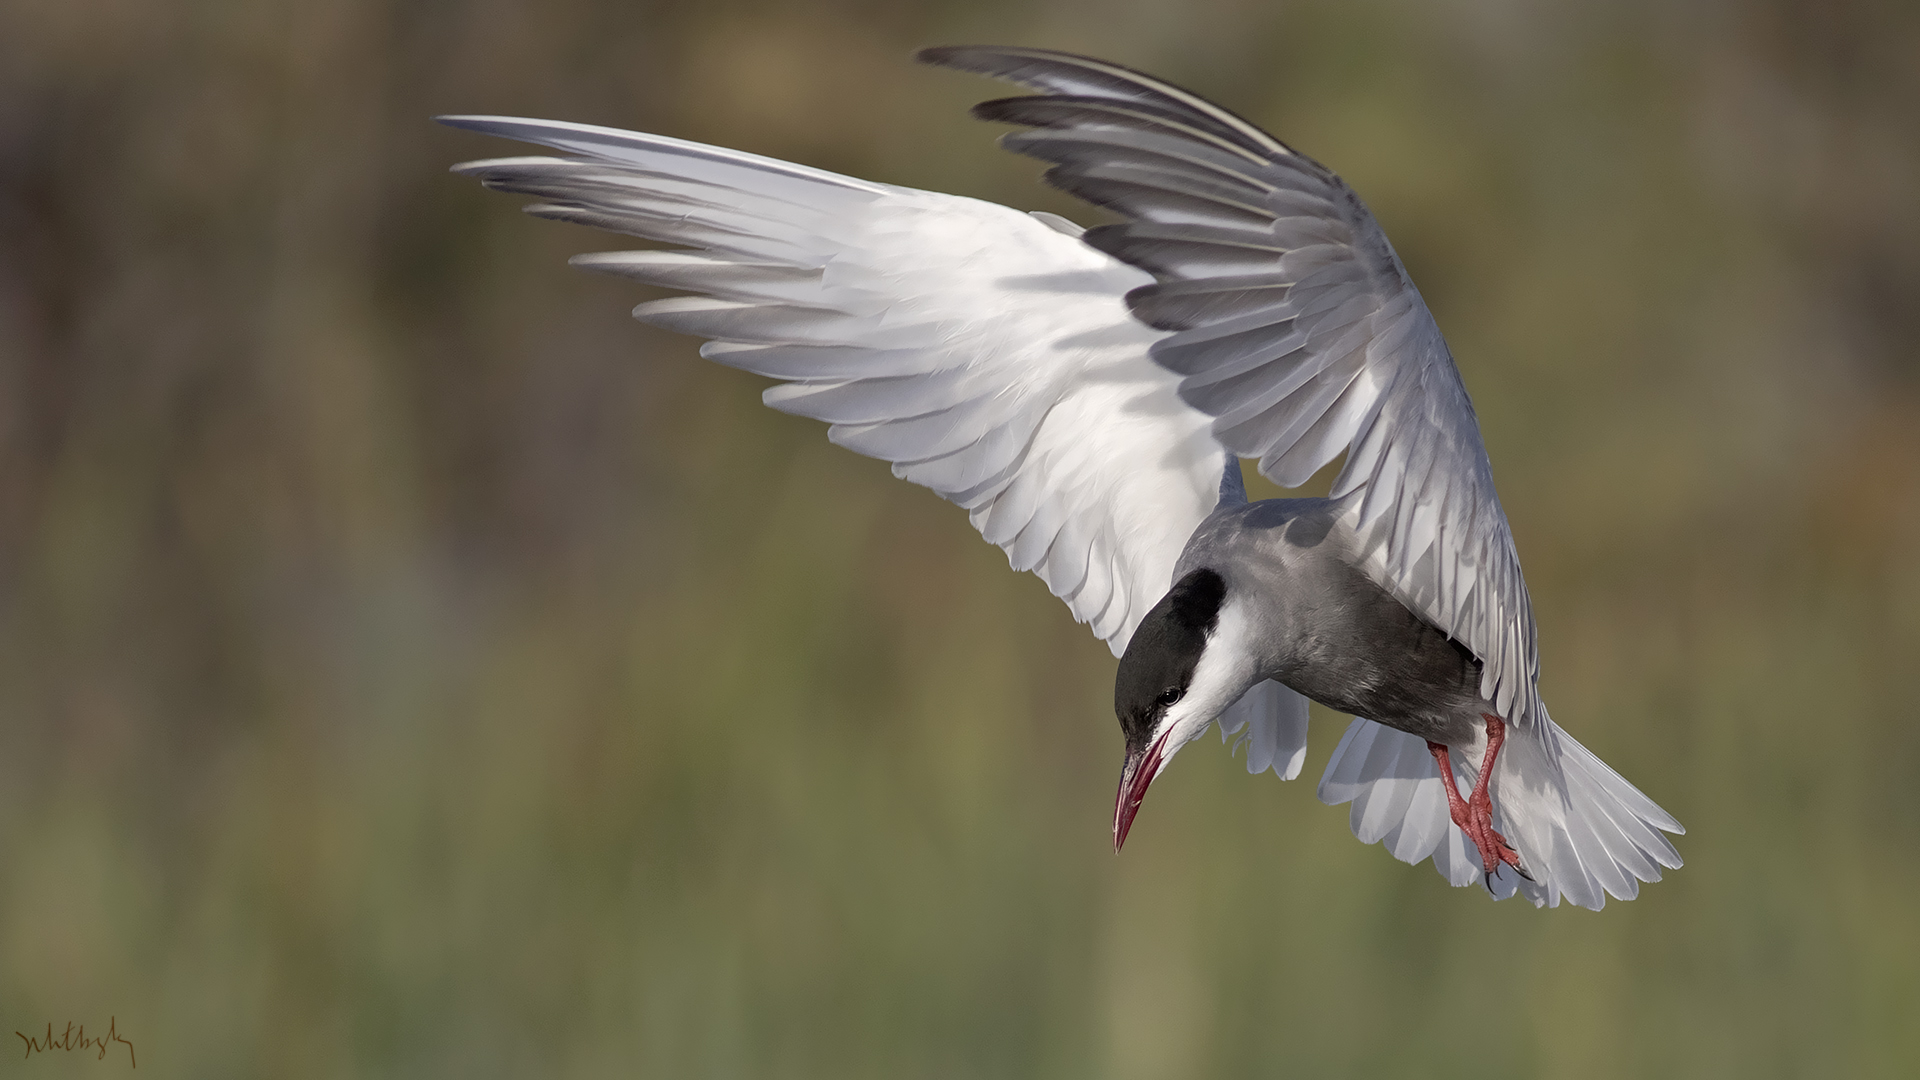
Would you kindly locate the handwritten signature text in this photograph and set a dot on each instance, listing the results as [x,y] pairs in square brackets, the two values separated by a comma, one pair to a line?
[75,1037]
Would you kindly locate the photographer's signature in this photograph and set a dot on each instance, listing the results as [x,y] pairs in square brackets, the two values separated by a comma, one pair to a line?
[75,1037]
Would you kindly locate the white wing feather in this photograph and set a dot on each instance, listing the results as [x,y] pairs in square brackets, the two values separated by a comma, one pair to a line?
[987,354]
[1271,721]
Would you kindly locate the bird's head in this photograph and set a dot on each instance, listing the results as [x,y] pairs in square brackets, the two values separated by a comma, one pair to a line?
[1183,666]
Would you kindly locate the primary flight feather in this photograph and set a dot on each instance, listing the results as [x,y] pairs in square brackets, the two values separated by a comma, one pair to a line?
[1087,396]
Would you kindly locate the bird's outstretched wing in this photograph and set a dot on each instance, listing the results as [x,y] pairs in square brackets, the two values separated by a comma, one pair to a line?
[1293,324]
[986,353]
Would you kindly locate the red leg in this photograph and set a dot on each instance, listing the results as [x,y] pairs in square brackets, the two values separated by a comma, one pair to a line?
[1474,814]
[1456,806]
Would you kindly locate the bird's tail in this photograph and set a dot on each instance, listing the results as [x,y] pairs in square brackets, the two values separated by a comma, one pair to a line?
[1581,830]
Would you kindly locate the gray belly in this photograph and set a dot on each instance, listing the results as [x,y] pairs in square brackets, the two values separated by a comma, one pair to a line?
[1328,631]
[1372,657]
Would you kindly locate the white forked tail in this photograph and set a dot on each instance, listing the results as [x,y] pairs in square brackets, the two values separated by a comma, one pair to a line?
[1581,830]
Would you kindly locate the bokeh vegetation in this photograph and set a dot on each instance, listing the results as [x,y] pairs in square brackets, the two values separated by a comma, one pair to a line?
[411,666]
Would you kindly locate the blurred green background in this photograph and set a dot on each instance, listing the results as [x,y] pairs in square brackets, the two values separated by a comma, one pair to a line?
[410,666]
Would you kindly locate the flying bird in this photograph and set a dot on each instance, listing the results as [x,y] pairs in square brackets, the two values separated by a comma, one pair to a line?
[1087,395]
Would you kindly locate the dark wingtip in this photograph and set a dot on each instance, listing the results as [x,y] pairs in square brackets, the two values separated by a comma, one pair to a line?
[464,122]
[1014,63]
[1106,238]
[977,58]
[1002,110]
[937,54]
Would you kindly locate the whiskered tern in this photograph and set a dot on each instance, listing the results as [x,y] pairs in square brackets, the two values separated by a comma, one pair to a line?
[1087,395]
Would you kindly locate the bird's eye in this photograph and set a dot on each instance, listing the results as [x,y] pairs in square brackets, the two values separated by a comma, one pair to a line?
[1170,695]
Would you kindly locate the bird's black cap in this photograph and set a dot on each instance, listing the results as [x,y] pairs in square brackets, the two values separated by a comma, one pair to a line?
[1158,665]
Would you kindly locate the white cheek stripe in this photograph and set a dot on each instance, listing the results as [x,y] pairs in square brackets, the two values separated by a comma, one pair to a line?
[1223,674]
